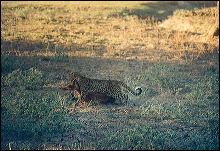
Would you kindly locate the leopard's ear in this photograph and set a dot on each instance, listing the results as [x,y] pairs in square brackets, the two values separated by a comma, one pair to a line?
[71,77]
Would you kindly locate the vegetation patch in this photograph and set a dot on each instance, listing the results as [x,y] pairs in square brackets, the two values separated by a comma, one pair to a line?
[26,116]
[31,79]
[182,117]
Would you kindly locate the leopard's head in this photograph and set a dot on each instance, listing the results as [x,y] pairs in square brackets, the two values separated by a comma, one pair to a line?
[74,83]
[74,79]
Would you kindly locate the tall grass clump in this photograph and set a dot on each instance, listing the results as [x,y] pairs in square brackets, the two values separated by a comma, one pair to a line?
[11,63]
[60,55]
[31,79]
[22,12]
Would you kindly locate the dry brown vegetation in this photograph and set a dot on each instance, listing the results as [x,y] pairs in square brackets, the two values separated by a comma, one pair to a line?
[164,47]
[88,34]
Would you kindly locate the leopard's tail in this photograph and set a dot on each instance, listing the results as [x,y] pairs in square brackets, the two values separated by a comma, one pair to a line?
[138,90]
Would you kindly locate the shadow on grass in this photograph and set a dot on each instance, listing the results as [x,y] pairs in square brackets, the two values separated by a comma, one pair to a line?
[22,47]
[57,70]
[162,10]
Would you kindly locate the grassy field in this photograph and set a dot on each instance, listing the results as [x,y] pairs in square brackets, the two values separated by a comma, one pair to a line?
[135,42]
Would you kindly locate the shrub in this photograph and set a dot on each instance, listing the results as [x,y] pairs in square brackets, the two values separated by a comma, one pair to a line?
[31,79]
[10,63]
[7,63]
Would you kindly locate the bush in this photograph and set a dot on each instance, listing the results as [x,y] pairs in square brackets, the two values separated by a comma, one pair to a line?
[10,63]
[31,79]
[7,63]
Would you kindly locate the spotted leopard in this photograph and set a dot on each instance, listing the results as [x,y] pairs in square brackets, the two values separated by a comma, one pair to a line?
[111,88]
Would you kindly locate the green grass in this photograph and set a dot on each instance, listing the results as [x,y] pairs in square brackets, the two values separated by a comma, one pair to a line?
[133,138]
[25,117]
[183,113]
[28,116]
[148,138]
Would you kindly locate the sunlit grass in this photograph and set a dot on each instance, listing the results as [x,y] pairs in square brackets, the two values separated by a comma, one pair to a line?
[104,29]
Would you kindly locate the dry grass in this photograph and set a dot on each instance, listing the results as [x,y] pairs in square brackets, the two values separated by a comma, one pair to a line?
[88,33]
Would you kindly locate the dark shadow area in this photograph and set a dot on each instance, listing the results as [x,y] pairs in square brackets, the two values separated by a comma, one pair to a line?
[162,10]
[57,72]
[16,47]
[21,45]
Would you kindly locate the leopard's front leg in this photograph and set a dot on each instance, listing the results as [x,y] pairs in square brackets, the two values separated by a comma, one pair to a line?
[81,97]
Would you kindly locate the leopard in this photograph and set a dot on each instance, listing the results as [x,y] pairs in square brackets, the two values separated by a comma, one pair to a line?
[112,88]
